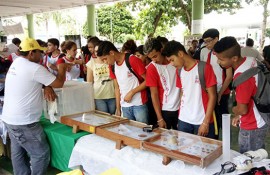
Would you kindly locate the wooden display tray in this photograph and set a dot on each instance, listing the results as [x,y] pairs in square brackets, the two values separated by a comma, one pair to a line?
[88,124]
[184,152]
[132,139]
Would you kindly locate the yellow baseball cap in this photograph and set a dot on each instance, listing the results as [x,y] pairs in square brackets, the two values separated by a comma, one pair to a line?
[29,44]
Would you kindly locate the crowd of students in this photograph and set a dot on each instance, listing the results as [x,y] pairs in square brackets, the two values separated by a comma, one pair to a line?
[161,83]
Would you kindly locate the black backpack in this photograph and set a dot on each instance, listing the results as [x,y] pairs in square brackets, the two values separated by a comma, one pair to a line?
[262,96]
[197,53]
[127,55]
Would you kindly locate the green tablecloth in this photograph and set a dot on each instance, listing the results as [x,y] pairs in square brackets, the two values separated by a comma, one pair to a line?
[61,141]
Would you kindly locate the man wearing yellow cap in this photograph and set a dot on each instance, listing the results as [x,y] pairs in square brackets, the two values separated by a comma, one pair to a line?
[23,107]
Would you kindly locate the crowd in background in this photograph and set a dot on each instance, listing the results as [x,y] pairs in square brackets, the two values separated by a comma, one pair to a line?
[163,83]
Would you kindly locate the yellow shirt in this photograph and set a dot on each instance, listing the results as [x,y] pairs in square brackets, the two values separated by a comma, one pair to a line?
[103,85]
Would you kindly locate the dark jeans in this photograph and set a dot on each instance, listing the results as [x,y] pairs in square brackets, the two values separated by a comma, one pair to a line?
[220,109]
[171,119]
[30,152]
[193,129]
[252,140]
[152,120]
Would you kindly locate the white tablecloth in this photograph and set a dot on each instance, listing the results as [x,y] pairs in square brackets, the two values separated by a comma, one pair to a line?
[96,155]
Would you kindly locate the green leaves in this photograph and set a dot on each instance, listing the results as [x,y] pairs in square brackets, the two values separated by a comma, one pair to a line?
[164,14]
[114,22]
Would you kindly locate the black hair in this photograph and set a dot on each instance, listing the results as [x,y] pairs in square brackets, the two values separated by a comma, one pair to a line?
[228,46]
[129,46]
[16,41]
[139,49]
[212,33]
[105,47]
[94,40]
[62,46]
[85,50]
[25,53]
[200,41]
[152,44]
[162,40]
[41,43]
[250,42]
[172,48]
[54,41]
[193,41]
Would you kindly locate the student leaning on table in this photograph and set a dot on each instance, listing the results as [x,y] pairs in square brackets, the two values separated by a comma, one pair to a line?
[253,129]
[196,104]
[30,152]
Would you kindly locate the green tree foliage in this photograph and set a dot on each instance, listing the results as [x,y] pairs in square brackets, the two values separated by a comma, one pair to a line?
[114,22]
[156,14]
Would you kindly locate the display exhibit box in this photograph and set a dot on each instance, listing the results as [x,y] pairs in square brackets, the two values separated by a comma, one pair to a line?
[189,148]
[127,132]
[75,97]
[89,121]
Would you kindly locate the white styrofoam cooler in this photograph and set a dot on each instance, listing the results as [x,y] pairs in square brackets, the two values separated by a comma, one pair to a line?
[74,97]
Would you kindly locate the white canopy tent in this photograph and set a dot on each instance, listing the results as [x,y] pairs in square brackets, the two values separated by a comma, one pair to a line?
[11,8]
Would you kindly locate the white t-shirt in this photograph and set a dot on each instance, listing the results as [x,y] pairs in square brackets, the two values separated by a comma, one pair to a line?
[164,78]
[128,81]
[23,92]
[52,60]
[194,100]
[217,70]
[75,71]
[204,54]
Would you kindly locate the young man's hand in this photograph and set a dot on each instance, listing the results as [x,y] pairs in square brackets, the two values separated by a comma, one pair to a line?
[128,97]
[236,121]
[162,124]
[118,112]
[203,129]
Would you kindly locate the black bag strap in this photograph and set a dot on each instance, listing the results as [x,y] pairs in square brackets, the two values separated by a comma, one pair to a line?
[127,55]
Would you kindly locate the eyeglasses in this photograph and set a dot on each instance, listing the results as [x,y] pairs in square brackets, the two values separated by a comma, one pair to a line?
[227,167]
[208,41]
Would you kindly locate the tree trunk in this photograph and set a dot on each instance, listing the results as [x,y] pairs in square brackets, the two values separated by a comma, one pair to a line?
[265,15]
[188,14]
[157,19]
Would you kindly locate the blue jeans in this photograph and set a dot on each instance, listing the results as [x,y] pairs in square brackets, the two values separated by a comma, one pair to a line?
[193,129]
[106,105]
[252,140]
[137,113]
[29,148]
